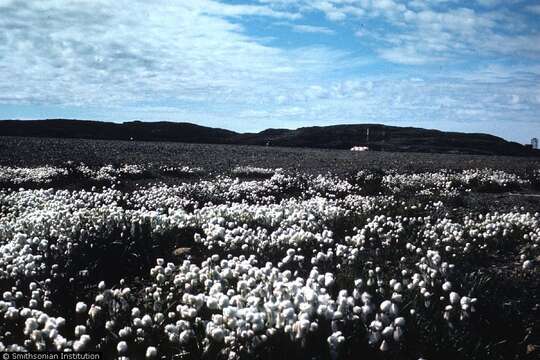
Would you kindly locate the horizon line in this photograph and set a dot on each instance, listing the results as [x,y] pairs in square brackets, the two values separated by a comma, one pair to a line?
[259,131]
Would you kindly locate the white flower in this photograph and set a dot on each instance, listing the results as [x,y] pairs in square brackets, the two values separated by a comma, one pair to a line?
[399,321]
[447,286]
[398,333]
[78,346]
[151,352]
[122,347]
[386,305]
[80,330]
[454,297]
[388,331]
[185,337]
[125,332]
[81,307]
[146,321]
[7,296]
[217,334]
[101,285]
[135,312]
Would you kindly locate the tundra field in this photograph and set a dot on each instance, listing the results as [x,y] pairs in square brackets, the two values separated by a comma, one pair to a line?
[184,251]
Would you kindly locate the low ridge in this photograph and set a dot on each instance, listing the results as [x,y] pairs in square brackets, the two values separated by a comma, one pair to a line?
[376,136]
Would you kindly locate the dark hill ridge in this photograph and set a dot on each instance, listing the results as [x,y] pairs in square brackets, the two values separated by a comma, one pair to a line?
[137,130]
[376,136]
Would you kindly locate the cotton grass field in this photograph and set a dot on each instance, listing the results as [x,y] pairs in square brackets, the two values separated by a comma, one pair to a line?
[183,260]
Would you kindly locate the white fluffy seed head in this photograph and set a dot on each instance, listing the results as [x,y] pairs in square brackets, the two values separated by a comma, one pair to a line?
[101,285]
[447,286]
[151,352]
[81,307]
[122,347]
[454,297]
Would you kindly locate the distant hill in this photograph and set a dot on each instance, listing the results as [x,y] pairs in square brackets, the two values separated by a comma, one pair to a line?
[375,136]
[137,130]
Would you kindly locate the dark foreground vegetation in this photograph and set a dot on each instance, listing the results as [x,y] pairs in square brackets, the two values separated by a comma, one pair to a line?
[25,151]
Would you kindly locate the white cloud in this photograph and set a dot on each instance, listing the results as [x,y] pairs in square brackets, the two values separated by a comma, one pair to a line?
[436,29]
[315,92]
[482,97]
[200,61]
[313,29]
[535,9]
[105,53]
[220,9]
[290,111]
[488,3]
[407,55]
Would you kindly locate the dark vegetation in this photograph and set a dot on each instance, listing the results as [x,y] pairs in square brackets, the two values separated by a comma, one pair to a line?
[28,151]
[507,324]
[223,159]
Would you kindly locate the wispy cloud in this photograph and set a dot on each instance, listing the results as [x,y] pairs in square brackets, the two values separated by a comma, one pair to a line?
[437,29]
[407,55]
[312,29]
[275,62]
[86,52]
[535,9]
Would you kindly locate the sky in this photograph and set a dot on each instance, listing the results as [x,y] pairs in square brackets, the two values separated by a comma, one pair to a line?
[471,66]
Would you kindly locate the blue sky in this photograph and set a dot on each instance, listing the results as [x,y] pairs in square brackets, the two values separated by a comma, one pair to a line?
[470,66]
